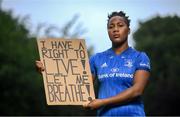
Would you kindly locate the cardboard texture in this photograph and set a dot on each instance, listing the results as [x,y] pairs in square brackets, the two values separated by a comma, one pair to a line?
[67,77]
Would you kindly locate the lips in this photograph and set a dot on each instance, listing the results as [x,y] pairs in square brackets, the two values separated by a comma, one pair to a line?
[116,35]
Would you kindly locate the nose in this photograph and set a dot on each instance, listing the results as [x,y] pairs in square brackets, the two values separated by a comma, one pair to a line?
[115,29]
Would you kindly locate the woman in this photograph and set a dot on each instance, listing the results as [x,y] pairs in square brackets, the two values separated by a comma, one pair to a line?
[122,72]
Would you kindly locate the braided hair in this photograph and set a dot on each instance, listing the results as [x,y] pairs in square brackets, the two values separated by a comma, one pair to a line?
[121,14]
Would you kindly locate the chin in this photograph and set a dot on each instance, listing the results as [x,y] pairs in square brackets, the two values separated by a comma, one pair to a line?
[118,42]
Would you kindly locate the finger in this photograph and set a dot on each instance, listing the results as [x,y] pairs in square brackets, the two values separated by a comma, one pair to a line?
[40,65]
[86,104]
[38,62]
[42,68]
[91,101]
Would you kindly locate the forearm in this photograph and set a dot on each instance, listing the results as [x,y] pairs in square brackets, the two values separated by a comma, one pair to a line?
[140,81]
[123,97]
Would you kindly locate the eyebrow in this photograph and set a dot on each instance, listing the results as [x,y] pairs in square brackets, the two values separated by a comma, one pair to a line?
[121,19]
[110,23]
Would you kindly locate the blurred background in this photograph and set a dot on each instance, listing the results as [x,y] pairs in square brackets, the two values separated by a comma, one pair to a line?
[155,29]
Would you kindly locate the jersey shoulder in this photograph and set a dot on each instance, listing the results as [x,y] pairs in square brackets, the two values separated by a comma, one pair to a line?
[101,55]
[142,60]
[137,54]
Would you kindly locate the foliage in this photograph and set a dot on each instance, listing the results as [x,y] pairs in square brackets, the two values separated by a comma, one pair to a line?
[21,86]
[18,77]
[159,37]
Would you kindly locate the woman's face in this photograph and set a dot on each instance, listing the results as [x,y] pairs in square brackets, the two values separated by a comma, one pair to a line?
[118,30]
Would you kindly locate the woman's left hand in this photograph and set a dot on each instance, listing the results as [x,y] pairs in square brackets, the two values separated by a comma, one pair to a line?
[95,104]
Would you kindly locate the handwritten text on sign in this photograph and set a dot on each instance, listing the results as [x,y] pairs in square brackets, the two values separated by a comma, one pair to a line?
[67,77]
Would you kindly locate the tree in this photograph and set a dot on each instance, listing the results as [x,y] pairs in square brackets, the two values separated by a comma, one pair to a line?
[159,37]
[18,78]
[21,86]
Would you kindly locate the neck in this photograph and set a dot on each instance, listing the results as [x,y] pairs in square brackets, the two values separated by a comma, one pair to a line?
[118,49]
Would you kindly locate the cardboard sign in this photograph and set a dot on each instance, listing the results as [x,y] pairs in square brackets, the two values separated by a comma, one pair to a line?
[67,77]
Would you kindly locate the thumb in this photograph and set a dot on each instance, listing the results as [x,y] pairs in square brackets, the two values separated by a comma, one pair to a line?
[86,105]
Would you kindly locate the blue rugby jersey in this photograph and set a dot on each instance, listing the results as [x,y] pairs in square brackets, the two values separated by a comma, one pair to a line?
[115,74]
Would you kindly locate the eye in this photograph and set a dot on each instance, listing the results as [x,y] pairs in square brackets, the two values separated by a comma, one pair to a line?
[110,26]
[120,24]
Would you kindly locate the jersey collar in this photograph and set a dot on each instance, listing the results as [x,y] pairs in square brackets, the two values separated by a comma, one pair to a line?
[111,51]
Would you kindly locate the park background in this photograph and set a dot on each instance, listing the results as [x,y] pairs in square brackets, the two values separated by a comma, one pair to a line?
[155,27]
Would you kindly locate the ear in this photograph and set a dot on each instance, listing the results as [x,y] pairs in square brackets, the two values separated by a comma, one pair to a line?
[129,31]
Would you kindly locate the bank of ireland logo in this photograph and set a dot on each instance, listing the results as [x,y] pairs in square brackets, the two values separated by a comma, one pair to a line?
[114,70]
[128,63]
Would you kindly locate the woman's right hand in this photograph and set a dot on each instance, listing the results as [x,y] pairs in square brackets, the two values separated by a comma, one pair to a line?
[39,66]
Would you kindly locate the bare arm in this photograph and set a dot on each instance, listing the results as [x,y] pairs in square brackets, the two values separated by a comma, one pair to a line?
[140,81]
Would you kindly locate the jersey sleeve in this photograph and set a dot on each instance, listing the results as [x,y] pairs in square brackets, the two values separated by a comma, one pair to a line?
[92,65]
[143,62]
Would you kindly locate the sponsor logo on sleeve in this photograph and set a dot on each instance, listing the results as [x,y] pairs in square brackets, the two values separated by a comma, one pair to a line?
[145,65]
